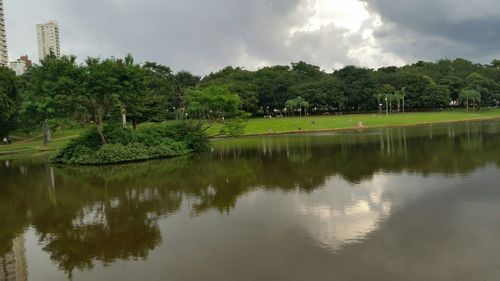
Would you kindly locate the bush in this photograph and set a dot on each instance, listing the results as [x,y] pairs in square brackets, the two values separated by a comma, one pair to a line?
[234,127]
[150,141]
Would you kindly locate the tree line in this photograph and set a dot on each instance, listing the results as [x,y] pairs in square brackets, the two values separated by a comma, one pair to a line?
[61,91]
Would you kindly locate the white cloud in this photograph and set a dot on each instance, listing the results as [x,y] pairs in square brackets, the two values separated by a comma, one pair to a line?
[352,35]
[347,14]
[204,36]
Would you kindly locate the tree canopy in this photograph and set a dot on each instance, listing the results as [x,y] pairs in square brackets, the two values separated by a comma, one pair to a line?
[9,100]
[61,90]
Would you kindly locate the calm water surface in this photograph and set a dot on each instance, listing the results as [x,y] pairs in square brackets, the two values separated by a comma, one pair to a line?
[417,203]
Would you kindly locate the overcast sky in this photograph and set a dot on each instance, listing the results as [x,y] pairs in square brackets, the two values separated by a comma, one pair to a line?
[205,35]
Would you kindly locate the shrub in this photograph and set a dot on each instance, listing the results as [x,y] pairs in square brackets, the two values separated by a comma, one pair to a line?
[150,141]
[234,127]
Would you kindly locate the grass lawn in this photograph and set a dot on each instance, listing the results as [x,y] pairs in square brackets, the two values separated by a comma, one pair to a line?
[324,123]
[25,145]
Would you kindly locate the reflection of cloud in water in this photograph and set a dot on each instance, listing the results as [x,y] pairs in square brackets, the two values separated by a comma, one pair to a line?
[342,213]
[90,215]
[335,228]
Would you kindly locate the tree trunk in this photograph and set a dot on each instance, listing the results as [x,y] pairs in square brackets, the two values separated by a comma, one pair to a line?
[45,135]
[379,107]
[99,130]
[386,105]
[124,119]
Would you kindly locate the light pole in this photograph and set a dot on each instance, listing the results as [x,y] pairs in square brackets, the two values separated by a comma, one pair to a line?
[403,92]
[386,105]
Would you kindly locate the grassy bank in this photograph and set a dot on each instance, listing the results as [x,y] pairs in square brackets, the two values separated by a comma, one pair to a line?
[326,123]
[261,126]
[30,145]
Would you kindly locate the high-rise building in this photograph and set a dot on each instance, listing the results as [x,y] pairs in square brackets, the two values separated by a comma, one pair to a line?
[4,54]
[48,39]
[21,65]
[26,61]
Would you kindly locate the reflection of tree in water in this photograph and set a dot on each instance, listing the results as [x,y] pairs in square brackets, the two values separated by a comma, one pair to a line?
[14,201]
[103,223]
[217,179]
[87,215]
[81,223]
[100,232]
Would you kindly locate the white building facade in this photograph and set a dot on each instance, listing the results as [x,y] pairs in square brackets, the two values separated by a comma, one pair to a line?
[48,39]
[4,54]
[19,67]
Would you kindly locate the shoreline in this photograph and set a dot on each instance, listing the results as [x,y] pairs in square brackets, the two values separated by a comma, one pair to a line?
[297,132]
[31,150]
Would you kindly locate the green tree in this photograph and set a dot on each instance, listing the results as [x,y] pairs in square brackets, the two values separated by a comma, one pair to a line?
[132,86]
[488,88]
[238,81]
[183,81]
[161,102]
[454,83]
[323,94]
[421,92]
[385,93]
[291,106]
[398,97]
[359,87]
[101,91]
[298,104]
[9,100]
[274,85]
[307,72]
[52,94]
[212,102]
[470,95]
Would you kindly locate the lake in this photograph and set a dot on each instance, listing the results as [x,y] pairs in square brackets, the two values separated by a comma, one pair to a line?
[413,203]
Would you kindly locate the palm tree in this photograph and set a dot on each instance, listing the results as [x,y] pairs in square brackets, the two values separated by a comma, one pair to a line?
[469,95]
[297,103]
[398,96]
[291,105]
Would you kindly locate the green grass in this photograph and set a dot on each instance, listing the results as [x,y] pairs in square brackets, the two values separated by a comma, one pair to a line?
[325,123]
[30,145]
[25,145]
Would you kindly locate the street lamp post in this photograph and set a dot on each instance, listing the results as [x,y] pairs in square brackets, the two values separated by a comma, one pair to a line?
[403,90]
[386,106]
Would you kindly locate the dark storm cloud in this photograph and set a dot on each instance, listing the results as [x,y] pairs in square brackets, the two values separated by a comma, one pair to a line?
[206,35]
[197,35]
[434,29]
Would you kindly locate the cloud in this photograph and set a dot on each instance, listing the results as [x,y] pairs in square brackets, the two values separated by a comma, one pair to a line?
[435,29]
[206,35]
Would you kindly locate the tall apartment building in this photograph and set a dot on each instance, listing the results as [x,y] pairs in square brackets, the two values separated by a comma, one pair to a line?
[4,55]
[48,39]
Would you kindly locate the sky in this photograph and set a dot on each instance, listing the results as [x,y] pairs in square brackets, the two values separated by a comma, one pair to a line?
[203,36]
